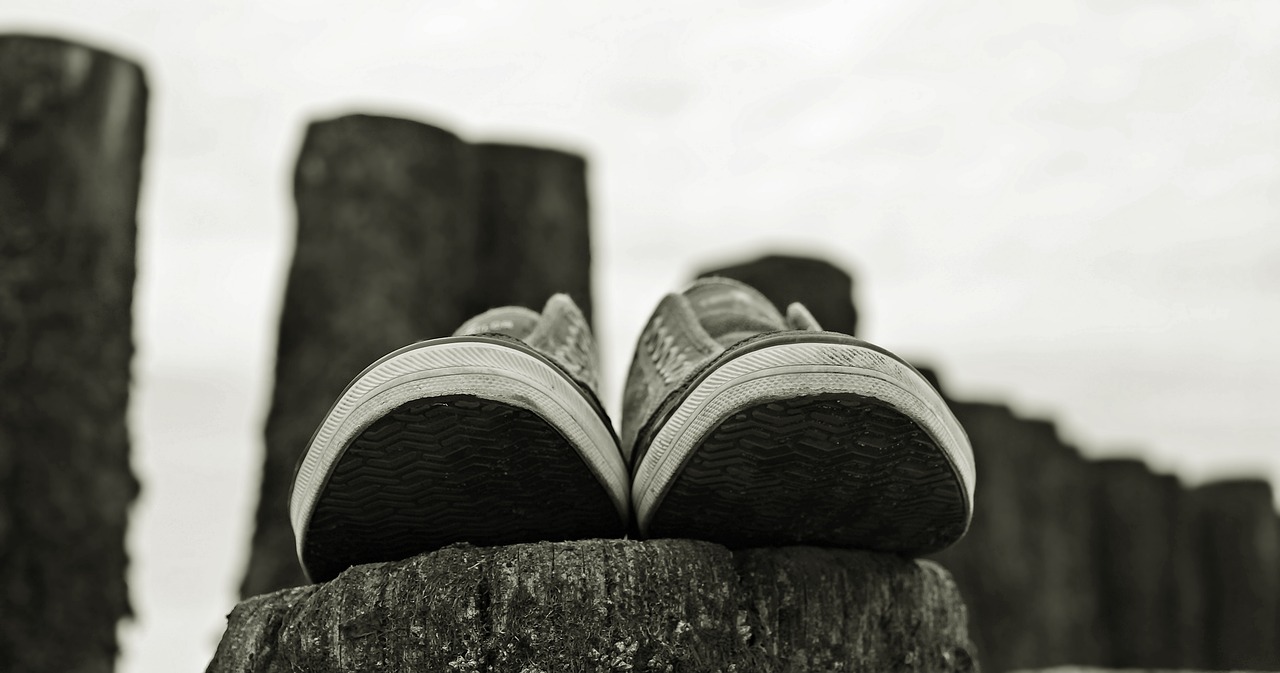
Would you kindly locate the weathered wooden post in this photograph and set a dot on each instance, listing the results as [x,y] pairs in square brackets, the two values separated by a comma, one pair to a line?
[1102,563]
[404,231]
[1137,525]
[1239,543]
[72,122]
[386,242]
[610,605]
[534,225]
[1027,567]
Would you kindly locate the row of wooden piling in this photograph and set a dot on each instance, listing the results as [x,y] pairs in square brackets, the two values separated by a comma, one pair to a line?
[403,231]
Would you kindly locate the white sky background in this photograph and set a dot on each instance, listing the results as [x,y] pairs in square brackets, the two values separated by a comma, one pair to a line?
[1074,207]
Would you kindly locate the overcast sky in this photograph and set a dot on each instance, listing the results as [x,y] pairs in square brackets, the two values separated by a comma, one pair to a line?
[1070,206]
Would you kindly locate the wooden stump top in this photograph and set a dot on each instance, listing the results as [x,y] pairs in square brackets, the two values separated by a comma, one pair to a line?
[610,605]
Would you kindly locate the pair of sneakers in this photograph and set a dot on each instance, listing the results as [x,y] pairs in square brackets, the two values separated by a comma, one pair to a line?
[741,426]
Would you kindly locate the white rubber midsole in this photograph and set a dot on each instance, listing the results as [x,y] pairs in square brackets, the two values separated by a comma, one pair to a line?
[487,370]
[791,370]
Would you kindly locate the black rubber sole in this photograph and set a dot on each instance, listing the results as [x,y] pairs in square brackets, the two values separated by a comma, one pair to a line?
[826,470]
[452,469]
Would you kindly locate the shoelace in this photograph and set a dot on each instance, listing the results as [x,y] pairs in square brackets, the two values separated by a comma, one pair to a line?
[660,346]
[573,351]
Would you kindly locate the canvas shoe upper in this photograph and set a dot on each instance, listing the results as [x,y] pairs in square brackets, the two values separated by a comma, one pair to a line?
[748,427]
[491,436]
[560,332]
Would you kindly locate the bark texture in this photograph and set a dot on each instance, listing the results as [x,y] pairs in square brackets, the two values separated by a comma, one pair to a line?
[72,122]
[386,239]
[534,228]
[610,605]
[825,289]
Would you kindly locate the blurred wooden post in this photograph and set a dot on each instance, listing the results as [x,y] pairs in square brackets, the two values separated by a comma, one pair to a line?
[1137,521]
[1187,560]
[825,289]
[1027,567]
[404,232]
[1071,561]
[72,122]
[610,605]
[1239,543]
[534,227]
[386,242]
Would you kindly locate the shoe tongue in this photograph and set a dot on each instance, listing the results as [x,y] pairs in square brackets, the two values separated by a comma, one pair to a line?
[731,311]
[564,334]
[513,321]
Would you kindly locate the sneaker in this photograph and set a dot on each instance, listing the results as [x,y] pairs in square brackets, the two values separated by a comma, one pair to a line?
[491,436]
[748,428]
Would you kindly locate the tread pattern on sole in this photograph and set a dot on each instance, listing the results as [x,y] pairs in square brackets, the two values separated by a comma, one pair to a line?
[449,469]
[828,470]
